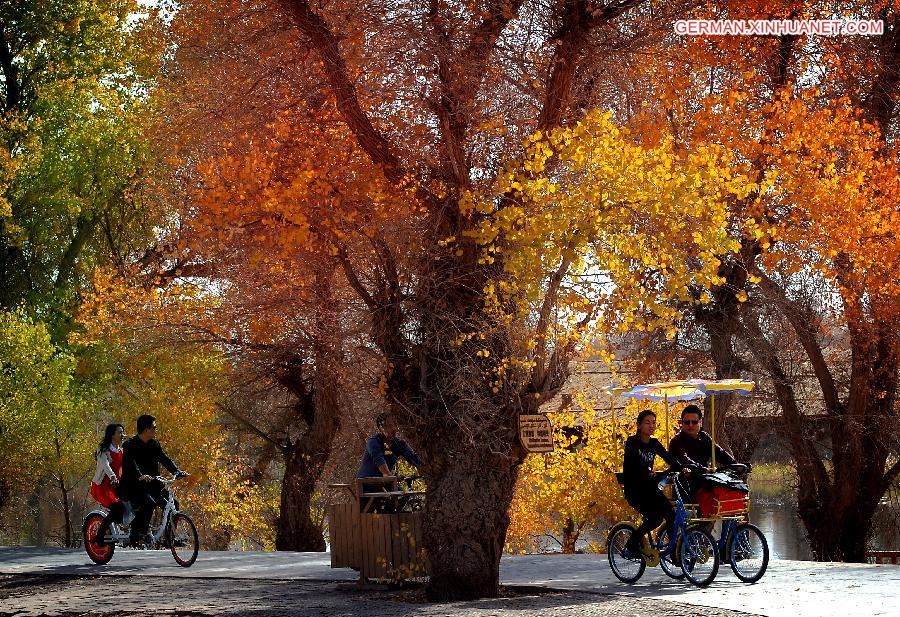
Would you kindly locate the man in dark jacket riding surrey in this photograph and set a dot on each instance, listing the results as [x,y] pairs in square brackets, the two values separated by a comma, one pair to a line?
[692,447]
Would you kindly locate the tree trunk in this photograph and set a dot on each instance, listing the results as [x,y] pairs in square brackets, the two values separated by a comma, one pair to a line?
[5,493]
[68,536]
[839,529]
[465,525]
[296,530]
[318,408]
[837,508]
[570,536]
[67,516]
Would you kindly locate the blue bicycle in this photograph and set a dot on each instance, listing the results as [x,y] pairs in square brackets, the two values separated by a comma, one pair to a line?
[691,553]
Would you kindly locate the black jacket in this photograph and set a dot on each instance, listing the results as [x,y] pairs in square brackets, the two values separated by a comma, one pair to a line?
[697,451]
[141,458]
[637,468]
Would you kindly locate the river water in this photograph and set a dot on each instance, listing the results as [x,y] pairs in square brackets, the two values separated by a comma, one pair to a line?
[776,516]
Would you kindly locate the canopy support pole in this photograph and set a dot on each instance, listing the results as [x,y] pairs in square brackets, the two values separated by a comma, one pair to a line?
[613,431]
[666,399]
[712,427]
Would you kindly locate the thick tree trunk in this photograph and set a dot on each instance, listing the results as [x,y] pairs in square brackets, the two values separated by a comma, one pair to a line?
[318,408]
[842,535]
[721,322]
[296,530]
[839,529]
[837,508]
[465,525]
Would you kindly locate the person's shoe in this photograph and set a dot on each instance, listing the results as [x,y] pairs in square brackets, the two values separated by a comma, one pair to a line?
[631,552]
[143,541]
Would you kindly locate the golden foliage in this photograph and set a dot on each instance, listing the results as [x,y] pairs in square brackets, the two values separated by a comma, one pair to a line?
[575,485]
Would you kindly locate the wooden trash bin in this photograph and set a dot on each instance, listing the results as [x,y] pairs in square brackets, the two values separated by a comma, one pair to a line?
[380,545]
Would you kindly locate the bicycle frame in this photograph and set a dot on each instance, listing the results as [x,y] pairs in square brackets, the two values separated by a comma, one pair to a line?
[118,535]
[679,527]
[168,511]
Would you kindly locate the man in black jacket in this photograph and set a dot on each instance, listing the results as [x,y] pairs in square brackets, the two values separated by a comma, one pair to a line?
[140,466]
[692,447]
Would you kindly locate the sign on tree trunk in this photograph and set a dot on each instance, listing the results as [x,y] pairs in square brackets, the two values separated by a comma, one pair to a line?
[536,432]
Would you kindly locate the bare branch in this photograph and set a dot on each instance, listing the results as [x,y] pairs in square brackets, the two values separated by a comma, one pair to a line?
[577,23]
[354,281]
[259,432]
[797,317]
[881,101]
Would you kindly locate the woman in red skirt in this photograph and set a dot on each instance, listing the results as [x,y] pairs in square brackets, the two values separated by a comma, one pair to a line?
[106,478]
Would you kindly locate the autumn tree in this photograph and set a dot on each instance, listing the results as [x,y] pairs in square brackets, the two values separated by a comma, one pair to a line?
[35,392]
[73,74]
[73,78]
[155,352]
[423,156]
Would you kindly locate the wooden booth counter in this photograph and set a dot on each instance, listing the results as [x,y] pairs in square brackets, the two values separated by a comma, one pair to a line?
[378,530]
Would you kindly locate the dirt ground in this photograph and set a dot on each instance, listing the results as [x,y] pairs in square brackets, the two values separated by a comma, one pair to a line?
[96,596]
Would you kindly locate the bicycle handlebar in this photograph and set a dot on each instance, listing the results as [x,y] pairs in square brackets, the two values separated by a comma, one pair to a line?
[169,480]
[739,468]
[736,467]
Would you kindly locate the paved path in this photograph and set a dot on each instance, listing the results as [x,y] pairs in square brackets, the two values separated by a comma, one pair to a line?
[790,588]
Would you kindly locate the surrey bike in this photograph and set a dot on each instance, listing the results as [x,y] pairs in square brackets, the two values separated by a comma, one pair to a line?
[173,530]
[725,497]
[691,553]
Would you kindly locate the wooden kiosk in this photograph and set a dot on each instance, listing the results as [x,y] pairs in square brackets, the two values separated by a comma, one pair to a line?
[378,530]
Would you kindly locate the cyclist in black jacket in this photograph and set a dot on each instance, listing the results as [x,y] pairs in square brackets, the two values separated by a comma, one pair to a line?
[640,482]
[142,457]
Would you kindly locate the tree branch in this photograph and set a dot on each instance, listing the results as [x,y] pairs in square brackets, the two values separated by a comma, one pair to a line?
[764,351]
[797,317]
[10,73]
[354,281]
[225,409]
[880,103]
[321,36]
[83,230]
[890,476]
[577,22]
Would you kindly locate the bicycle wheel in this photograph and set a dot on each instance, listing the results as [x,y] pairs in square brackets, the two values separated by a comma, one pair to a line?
[628,570]
[99,553]
[748,552]
[185,541]
[699,557]
[668,563]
